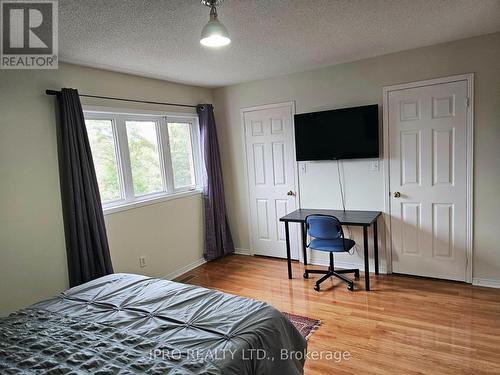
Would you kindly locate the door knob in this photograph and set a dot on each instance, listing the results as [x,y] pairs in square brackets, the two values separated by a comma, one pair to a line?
[290,193]
[397,194]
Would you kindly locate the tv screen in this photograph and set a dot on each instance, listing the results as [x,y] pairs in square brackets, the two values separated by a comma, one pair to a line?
[347,133]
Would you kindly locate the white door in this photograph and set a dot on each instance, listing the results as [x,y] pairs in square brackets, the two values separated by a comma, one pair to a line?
[270,157]
[428,180]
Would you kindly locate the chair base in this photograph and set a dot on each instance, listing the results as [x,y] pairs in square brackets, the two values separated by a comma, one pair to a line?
[331,272]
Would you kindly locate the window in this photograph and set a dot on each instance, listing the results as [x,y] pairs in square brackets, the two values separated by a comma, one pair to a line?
[103,146]
[143,157]
[144,153]
[181,153]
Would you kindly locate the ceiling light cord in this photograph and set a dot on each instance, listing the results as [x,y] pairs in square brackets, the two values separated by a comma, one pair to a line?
[213,12]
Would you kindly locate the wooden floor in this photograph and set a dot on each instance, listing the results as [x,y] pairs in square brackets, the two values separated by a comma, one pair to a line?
[405,325]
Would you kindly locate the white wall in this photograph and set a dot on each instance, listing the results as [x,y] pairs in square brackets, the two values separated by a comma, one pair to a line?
[320,188]
[360,83]
[32,244]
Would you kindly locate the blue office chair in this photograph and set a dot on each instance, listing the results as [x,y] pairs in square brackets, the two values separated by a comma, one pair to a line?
[328,236]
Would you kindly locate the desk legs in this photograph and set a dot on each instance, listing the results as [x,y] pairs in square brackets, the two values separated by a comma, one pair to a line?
[304,242]
[375,246]
[288,257]
[367,260]
[365,250]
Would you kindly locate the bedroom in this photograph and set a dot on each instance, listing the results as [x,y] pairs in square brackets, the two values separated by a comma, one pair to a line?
[353,51]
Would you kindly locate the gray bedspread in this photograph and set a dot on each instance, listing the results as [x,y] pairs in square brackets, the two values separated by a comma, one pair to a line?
[130,324]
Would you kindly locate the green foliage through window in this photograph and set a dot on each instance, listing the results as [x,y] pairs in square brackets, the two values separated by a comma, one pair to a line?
[182,154]
[144,157]
[140,157]
[100,133]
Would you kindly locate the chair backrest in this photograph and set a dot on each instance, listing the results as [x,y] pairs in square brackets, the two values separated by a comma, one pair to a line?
[324,227]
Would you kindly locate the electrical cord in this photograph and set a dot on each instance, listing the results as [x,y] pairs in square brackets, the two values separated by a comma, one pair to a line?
[342,197]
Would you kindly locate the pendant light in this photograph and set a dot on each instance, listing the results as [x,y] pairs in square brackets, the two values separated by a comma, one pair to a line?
[214,34]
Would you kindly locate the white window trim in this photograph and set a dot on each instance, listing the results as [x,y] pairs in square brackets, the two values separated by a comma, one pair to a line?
[128,200]
[196,144]
[147,202]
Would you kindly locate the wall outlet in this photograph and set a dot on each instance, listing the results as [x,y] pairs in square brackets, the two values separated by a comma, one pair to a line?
[142,262]
[374,167]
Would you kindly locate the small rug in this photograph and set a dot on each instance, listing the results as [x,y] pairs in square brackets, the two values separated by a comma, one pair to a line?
[306,326]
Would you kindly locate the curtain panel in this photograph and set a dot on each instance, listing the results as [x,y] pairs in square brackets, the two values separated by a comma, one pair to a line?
[86,238]
[218,239]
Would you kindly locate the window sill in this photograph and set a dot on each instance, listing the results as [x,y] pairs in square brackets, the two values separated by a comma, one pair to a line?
[149,201]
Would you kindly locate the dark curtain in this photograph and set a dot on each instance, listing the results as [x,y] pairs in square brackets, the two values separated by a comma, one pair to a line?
[218,240]
[87,242]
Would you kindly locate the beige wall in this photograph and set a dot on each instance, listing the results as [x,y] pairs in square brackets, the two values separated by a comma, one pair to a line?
[359,83]
[32,245]
[168,234]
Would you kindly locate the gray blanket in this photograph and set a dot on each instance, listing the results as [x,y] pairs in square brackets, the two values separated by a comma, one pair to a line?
[129,324]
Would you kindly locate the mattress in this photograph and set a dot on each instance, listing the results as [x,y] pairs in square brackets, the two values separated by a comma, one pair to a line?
[131,324]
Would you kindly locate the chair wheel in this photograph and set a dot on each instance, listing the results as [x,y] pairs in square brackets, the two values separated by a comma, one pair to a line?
[316,288]
[306,275]
[350,287]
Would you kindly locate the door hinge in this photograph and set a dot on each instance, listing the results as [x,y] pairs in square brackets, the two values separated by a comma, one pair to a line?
[467,102]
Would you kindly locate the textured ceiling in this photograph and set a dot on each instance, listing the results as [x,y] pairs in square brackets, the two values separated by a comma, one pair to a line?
[160,38]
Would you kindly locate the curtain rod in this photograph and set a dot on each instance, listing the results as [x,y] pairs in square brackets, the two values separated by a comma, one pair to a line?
[54,92]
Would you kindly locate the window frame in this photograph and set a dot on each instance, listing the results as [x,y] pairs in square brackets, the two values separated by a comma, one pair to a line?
[194,130]
[118,117]
[122,128]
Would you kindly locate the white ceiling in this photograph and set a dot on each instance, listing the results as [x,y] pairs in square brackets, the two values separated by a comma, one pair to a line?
[160,38]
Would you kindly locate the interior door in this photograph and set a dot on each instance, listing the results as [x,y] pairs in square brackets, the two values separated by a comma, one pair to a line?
[270,156]
[427,132]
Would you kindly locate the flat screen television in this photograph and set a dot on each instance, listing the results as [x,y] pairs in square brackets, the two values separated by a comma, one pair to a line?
[347,133]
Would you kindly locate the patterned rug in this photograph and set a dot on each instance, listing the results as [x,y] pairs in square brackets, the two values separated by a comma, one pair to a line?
[306,326]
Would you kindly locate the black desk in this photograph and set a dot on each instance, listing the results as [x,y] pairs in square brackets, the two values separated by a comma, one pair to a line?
[355,218]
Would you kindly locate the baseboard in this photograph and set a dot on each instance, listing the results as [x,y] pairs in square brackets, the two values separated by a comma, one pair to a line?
[339,264]
[321,262]
[490,283]
[240,251]
[184,269]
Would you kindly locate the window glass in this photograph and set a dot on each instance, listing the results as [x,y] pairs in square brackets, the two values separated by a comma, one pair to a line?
[181,152]
[144,157]
[102,144]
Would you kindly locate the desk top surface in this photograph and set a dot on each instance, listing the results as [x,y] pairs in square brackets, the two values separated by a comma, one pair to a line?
[351,217]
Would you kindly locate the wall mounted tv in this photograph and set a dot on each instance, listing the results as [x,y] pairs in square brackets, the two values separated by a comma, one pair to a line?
[347,133]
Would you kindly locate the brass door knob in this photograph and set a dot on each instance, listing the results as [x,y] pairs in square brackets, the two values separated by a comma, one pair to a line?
[290,193]
[397,194]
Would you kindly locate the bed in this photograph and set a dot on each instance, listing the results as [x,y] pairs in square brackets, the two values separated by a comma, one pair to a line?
[129,324]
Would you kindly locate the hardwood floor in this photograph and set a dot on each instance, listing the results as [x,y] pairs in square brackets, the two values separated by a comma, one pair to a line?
[405,325]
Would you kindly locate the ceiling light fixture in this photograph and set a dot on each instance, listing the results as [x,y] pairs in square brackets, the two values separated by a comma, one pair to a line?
[214,34]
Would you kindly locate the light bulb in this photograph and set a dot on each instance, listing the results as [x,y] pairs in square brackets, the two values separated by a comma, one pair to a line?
[214,34]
